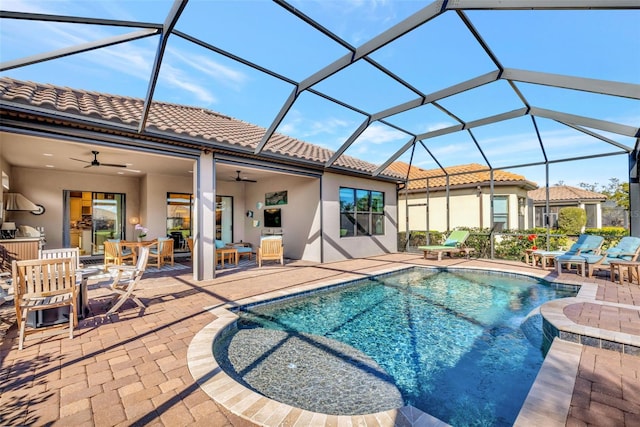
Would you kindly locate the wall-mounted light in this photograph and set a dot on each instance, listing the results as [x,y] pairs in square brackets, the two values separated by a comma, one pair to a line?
[134,220]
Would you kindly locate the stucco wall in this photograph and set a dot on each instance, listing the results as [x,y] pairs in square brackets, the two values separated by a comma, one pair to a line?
[45,187]
[300,216]
[465,206]
[335,247]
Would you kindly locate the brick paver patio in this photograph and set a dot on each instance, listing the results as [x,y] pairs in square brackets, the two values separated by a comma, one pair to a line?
[132,369]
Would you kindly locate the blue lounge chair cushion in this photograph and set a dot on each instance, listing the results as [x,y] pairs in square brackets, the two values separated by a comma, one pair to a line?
[219,244]
[243,249]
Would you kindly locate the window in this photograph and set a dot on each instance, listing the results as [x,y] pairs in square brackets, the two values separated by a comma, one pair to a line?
[361,212]
[501,212]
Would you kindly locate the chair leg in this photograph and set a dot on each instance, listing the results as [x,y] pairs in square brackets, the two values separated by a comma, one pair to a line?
[23,325]
[71,318]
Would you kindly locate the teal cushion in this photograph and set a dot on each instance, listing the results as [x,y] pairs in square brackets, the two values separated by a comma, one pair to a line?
[450,242]
[243,250]
[219,244]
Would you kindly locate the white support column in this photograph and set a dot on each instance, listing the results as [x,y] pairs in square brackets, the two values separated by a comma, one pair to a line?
[204,218]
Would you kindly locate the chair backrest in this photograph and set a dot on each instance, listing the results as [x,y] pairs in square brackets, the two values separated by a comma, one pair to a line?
[271,245]
[143,257]
[73,253]
[190,244]
[43,277]
[111,249]
[586,244]
[628,248]
[165,246]
[456,238]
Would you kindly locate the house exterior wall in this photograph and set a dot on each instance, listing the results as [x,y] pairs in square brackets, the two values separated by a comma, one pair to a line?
[336,248]
[45,187]
[468,207]
[300,216]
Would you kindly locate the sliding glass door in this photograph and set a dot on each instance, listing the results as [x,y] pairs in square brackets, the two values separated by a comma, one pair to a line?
[93,218]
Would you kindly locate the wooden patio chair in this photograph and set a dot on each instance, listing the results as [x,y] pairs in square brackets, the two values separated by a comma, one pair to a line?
[271,248]
[41,284]
[115,253]
[126,280]
[161,251]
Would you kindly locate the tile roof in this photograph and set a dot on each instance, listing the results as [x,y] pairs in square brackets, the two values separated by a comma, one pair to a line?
[197,124]
[564,193]
[460,176]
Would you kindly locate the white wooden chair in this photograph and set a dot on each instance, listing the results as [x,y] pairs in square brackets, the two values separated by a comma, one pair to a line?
[41,284]
[126,280]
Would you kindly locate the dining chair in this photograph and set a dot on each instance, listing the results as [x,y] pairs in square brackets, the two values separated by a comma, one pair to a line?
[115,253]
[161,251]
[41,284]
[126,280]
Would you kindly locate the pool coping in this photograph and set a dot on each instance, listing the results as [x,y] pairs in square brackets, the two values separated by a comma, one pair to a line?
[547,402]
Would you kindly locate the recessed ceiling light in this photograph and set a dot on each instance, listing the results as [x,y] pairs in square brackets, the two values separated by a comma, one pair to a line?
[50,166]
[47,154]
[120,173]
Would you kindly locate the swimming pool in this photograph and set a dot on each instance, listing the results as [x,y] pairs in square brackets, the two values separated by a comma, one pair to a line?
[447,342]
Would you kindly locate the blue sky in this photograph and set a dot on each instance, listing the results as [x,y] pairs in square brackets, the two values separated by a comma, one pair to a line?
[592,44]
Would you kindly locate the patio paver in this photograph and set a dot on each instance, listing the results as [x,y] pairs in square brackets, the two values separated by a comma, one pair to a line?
[133,369]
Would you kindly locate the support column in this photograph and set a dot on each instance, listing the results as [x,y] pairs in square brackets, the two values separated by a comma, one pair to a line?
[204,218]
[634,191]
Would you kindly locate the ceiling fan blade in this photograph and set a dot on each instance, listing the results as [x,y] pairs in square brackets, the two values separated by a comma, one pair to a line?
[240,179]
[79,160]
[113,165]
[90,165]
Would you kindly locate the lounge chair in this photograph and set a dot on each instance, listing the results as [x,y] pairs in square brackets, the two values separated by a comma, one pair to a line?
[587,244]
[627,249]
[452,245]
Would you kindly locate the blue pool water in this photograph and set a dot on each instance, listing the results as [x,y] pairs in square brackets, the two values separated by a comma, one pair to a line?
[461,346]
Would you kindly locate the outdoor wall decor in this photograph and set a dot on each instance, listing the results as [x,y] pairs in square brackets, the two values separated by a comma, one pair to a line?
[275,198]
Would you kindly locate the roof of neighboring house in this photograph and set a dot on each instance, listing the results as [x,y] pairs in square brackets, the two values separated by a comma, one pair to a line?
[192,125]
[472,174]
[564,193]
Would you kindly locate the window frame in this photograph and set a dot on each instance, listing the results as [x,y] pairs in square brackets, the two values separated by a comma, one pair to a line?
[361,212]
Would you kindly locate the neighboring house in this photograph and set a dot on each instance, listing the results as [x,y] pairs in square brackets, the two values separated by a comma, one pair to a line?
[563,196]
[468,202]
[194,171]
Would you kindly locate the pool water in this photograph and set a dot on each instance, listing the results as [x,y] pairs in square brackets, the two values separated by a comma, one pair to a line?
[459,345]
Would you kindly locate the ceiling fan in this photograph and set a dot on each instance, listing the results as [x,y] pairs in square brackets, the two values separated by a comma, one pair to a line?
[240,179]
[95,162]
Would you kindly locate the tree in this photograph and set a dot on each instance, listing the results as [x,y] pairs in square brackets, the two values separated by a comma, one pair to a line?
[615,191]
[572,219]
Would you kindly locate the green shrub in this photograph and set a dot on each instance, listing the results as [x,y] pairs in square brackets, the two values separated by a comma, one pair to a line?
[572,219]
